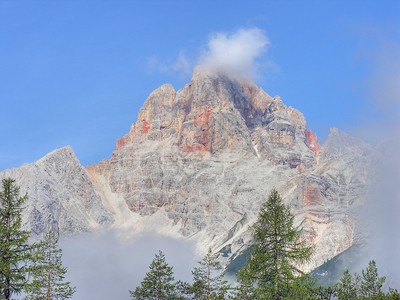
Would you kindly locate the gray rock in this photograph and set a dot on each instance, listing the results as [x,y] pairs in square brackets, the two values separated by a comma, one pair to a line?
[198,164]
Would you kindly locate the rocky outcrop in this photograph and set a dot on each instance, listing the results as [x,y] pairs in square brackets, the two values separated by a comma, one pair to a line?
[198,163]
[61,195]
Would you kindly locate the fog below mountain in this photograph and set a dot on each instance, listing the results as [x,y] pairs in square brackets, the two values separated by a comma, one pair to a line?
[381,214]
[106,266]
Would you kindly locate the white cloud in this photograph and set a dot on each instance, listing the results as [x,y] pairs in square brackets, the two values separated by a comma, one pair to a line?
[236,52]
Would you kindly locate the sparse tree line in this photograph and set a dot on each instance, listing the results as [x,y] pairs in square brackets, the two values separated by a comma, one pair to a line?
[270,271]
[33,270]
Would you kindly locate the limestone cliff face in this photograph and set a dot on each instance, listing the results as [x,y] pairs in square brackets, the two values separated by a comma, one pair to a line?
[61,196]
[198,163]
[207,156]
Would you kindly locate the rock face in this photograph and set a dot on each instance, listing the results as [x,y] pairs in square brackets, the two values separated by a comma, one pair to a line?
[198,164]
[61,196]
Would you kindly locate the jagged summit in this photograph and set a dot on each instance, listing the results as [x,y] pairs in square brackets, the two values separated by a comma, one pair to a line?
[197,164]
[215,112]
[64,151]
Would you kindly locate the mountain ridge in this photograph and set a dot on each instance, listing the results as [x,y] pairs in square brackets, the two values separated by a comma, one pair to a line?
[197,164]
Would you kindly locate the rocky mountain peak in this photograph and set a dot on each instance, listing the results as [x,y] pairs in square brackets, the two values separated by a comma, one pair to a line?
[66,152]
[197,164]
[343,146]
[216,112]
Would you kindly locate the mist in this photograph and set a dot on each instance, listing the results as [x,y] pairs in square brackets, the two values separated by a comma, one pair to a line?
[380,216]
[382,212]
[106,266]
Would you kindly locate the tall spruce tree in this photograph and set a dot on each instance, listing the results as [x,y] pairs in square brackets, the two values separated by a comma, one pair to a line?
[48,273]
[15,252]
[158,283]
[277,252]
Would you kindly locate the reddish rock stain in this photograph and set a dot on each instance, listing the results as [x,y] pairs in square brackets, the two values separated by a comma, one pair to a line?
[122,141]
[312,142]
[202,119]
[145,127]
[201,122]
[313,233]
[312,195]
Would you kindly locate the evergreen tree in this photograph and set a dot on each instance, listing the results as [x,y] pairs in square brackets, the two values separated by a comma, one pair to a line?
[158,283]
[304,288]
[371,284]
[245,289]
[277,251]
[208,280]
[48,273]
[346,289]
[15,255]
[357,283]
[392,294]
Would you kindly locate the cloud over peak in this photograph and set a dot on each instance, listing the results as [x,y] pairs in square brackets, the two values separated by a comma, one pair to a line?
[236,52]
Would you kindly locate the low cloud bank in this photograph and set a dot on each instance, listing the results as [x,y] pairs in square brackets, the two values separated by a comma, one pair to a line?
[103,266]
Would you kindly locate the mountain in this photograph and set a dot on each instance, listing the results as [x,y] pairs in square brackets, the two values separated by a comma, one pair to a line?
[197,164]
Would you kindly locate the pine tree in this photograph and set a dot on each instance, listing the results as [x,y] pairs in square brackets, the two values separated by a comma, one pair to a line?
[208,280]
[346,289]
[15,255]
[48,274]
[371,284]
[158,283]
[357,283]
[277,251]
[303,288]
[245,289]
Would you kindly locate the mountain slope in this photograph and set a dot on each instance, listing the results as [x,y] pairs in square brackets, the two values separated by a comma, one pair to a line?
[198,164]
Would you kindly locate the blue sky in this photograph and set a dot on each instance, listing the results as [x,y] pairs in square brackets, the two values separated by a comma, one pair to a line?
[77,72]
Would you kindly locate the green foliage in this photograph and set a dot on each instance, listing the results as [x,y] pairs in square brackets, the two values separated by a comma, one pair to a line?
[15,252]
[278,250]
[158,283]
[393,294]
[246,288]
[48,273]
[208,280]
[371,284]
[304,288]
[367,286]
[346,289]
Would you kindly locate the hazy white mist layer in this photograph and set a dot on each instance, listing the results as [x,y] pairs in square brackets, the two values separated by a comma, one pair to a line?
[381,213]
[102,266]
